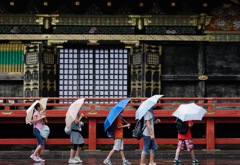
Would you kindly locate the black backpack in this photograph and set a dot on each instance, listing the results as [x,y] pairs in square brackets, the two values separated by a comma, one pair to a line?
[139,128]
[181,126]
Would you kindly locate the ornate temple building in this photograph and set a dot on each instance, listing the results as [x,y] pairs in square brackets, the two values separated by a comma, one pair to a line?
[119,49]
[113,48]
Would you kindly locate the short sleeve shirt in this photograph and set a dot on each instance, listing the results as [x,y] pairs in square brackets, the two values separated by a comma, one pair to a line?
[37,124]
[148,116]
[188,135]
[118,132]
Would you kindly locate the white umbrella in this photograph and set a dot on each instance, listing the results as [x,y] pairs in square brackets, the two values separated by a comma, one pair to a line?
[146,105]
[189,111]
[73,111]
[43,102]
[29,111]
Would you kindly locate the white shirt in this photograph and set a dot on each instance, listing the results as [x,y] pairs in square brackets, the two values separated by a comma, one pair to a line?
[148,116]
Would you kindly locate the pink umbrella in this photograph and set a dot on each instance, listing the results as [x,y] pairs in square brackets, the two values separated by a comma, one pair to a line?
[73,111]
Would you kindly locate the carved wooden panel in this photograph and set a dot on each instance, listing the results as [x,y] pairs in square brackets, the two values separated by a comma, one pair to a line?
[31,70]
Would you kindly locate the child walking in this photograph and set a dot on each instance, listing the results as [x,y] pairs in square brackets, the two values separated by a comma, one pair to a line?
[185,140]
[37,126]
[118,142]
[76,139]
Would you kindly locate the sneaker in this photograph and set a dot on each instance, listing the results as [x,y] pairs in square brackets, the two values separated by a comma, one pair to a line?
[153,163]
[195,161]
[78,159]
[107,162]
[35,158]
[177,161]
[72,161]
[41,160]
[126,162]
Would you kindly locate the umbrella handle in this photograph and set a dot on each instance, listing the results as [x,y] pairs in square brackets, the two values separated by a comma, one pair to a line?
[123,119]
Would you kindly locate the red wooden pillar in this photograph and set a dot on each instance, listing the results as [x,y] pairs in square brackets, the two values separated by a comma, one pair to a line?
[210,128]
[210,132]
[92,134]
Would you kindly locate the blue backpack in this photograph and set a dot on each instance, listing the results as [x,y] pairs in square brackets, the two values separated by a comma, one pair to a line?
[110,131]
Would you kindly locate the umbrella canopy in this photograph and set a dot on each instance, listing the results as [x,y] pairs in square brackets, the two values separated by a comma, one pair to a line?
[73,111]
[43,101]
[189,112]
[29,111]
[44,105]
[146,105]
[114,112]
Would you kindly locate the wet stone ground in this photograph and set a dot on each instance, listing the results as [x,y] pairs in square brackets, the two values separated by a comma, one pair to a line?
[117,161]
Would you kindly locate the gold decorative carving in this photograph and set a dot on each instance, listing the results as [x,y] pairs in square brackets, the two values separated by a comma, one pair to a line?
[203,21]
[194,20]
[40,20]
[203,77]
[6,112]
[208,20]
[47,20]
[139,21]
[65,37]
[147,20]
[46,36]
[57,42]
[132,43]
[93,42]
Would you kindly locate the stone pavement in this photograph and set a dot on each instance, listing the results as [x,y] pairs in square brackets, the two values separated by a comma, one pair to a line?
[168,154]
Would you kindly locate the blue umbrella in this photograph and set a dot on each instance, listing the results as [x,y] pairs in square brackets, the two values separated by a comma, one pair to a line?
[114,112]
[146,105]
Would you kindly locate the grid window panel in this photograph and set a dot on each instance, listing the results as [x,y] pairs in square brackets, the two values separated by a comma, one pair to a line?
[100,73]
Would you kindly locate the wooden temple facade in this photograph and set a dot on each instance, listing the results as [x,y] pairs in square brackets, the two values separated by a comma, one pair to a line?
[117,49]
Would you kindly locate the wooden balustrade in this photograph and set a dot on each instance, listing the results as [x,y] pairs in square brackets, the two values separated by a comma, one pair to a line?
[219,110]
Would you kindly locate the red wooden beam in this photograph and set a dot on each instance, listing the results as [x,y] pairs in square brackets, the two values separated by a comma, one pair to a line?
[227,140]
[127,113]
[50,141]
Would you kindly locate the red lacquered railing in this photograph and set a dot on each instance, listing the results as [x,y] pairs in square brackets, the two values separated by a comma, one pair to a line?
[219,110]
